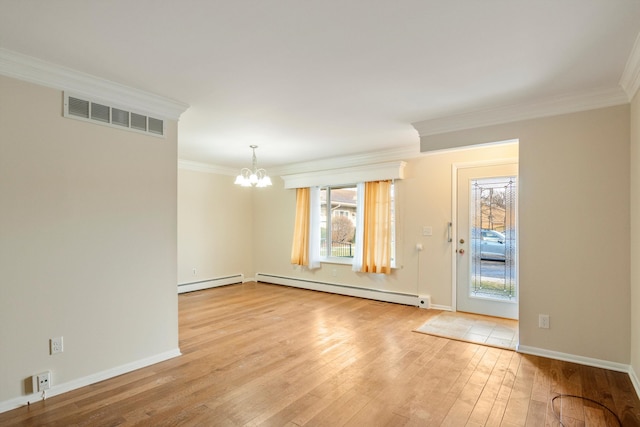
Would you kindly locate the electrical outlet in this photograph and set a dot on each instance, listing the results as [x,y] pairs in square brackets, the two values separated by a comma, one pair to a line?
[57,345]
[41,381]
[543,321]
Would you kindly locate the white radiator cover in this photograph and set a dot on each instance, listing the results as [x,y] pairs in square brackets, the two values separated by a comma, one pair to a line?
[336,288]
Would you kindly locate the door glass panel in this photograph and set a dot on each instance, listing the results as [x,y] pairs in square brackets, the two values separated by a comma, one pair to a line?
[493,238]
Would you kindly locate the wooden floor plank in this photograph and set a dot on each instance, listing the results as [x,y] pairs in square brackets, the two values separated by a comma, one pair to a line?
[487,399]
[499,407]
[536,414]
[267,355]
[519,400]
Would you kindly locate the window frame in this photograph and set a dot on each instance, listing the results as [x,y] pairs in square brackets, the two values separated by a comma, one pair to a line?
[359,205]
[328,243]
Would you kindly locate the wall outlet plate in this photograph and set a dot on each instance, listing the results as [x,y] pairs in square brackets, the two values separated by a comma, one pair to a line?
[57,345]
[543,321]
[41,382]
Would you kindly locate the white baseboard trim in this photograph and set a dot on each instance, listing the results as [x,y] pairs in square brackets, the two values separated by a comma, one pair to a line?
[441,307]
[634,380]
[336,288]
[588,361]
[88,380]
[210,283]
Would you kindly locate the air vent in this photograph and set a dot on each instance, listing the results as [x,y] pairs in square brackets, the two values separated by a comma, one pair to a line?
[155,126]
[100,112]
[119,117]
[78,107]
[97,112]
[139,122]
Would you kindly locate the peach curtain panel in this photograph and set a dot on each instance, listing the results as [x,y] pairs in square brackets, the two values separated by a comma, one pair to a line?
[300,246]
[376,256]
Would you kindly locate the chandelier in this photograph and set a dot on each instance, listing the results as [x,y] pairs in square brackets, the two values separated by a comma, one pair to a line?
[254,177]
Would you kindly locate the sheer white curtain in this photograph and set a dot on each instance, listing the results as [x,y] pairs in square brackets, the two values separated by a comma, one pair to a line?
[357,256]
[314,228]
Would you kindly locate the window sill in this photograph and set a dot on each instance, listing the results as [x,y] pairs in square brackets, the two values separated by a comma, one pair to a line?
[336,260]
[348,261]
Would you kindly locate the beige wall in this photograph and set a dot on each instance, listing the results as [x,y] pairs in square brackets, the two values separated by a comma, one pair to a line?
[635,235]
[215,227]
[88,235]
[574,228]
[87,241]
[423,199]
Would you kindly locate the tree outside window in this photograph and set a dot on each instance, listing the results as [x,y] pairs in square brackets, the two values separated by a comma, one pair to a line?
[338,214]
[338,207]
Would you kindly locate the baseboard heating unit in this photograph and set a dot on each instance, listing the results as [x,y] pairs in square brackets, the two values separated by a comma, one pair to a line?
[210,283]
[340,289]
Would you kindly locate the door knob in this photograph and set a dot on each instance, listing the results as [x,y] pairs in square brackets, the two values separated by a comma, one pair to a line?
[461,251]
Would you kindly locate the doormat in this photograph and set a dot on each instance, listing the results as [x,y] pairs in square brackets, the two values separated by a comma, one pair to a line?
[473,328]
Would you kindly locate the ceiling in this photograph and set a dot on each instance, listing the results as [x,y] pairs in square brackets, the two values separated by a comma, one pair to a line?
[307,80]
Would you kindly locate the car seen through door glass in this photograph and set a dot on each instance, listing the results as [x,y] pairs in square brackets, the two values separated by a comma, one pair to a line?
[492,245]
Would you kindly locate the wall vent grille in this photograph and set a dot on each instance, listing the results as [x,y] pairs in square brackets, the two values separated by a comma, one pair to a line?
[156,126]
[99,112]
[77,107]
[139,122]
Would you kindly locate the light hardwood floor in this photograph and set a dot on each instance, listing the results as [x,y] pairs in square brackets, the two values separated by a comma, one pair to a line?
[268,355]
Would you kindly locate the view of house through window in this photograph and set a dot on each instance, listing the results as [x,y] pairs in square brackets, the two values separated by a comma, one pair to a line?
[338,222]
[338,207]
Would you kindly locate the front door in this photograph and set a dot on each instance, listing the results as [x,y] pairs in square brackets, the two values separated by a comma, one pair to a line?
[486,247]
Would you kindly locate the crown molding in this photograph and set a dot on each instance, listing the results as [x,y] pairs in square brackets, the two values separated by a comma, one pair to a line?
[600,98]
[34,70]
[206,168]
[362,159]
[630,79]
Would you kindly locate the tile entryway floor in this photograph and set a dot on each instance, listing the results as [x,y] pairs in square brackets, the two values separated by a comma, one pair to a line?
[492,331]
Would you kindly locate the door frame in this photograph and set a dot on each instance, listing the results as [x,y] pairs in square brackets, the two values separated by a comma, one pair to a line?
[454,218]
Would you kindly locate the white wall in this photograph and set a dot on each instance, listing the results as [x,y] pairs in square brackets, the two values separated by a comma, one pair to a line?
[87,242]
[215,227]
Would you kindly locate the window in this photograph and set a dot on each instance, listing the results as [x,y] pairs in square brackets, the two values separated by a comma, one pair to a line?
[339,207]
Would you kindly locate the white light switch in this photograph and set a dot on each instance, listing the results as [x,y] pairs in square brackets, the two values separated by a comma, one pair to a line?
[427,231]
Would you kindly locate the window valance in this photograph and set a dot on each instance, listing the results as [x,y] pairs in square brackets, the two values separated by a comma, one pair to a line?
[365,173]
